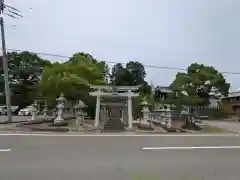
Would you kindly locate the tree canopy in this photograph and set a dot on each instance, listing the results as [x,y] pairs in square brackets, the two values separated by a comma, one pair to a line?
[195,86]
[131,75]
[72,77]
[25,69]
[31,77]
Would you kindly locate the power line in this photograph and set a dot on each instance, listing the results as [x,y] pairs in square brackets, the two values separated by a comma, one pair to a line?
[115,62]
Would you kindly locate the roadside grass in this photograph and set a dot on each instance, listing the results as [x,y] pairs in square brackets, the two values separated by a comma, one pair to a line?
[153,175]
[143,176]
[207,128]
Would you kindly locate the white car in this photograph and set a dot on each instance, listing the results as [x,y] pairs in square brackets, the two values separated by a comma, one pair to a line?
[3,110]
[26,111]
[14,108]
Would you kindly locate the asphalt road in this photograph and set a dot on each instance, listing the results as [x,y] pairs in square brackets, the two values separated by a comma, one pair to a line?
[119,158]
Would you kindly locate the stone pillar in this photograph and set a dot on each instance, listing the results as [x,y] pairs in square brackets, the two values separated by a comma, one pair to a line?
[34,111]
[107,113]
[80,118]
[100,114]
[125,116]
[122,115]
[129,110]
[97,114]
[45,110]
[103,117]
[145,112]
[169,118]
[60,108]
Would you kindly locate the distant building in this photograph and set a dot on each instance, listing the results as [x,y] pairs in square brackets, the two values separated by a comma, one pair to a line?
[215,99]
[164,92]
[214,102]
[231,104]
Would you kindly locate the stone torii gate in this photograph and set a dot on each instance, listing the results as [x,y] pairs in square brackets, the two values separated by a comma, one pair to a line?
[114,91]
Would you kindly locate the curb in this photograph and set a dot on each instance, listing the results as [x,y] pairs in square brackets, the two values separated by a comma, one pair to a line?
[46,129]
[14,122]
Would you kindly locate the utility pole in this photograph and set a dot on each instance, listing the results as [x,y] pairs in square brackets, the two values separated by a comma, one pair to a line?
[13,13]
[5,64]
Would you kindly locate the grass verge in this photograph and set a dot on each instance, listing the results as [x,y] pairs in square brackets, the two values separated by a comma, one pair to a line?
[207,128]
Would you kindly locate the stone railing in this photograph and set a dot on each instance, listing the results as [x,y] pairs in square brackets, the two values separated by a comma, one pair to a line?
[162,116]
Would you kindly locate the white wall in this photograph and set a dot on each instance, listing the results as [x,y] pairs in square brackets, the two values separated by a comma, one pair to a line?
[214,103]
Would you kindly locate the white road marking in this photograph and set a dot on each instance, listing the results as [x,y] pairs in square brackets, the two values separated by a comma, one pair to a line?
[116,135]
[191,148]
[5,150]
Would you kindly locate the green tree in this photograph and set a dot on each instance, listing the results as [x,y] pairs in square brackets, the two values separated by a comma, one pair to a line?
[194,86]
[131,75]
[25,69]
[120,75]
[101,64]
[137,71]
[145,89]
[72,78]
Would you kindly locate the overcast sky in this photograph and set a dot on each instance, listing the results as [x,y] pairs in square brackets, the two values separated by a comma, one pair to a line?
[171,33]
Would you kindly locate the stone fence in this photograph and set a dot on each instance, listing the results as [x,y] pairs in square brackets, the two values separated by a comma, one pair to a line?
[161,116]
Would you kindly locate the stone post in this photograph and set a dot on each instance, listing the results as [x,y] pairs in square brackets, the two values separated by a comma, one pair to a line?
[96,123]
[169,118]
[106,113]
[125,115]
[129,111]
[104,117]
[34,110]
[101,117]
[60,108]
[122,115]
[145,112]
[45,110]
[75,110]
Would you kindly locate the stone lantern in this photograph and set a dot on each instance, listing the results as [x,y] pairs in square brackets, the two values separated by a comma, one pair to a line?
[60,108]
[80,113]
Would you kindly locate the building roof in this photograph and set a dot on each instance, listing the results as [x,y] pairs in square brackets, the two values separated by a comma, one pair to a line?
[234,94]
[165,89]
[216,95]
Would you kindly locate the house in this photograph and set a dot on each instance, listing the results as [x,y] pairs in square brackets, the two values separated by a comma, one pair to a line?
[215,98]
[231,104]
[163,91]
[214,102]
